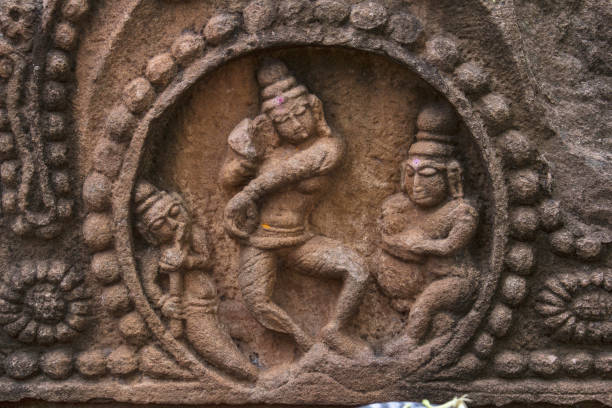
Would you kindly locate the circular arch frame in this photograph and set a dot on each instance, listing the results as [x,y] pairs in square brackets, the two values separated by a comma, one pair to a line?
[244,44]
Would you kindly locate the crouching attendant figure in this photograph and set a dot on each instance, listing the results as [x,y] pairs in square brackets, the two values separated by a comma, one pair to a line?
[175,279]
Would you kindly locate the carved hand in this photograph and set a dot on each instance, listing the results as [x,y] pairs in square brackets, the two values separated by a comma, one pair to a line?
[172,308]
[241,215]
[173,258]
[402,247]
[419,246]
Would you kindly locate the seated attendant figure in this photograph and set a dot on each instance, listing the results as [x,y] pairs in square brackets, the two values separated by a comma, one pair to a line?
[425,265]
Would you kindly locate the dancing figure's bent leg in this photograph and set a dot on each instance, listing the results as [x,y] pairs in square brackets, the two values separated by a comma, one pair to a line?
[328,258]
[256,278]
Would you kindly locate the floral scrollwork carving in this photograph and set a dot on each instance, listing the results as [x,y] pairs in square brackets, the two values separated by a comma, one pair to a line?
[35,75]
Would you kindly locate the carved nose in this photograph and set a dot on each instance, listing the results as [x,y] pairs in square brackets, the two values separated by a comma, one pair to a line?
[173,223]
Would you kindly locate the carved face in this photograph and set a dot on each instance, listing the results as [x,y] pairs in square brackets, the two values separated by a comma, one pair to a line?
[424,181]
[167,220]
[293,120]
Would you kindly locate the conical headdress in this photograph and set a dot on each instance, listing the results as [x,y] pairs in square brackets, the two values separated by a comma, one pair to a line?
[277,84]
[437,125]
[145,195]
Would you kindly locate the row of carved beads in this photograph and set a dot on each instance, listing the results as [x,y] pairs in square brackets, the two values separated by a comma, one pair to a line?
[509,364]
[62,363]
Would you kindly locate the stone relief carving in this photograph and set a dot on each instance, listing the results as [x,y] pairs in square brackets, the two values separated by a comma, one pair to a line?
[44,303]
[578,307]
[425,266]
[459,267]
[33,122]
[183,254]
[280,161]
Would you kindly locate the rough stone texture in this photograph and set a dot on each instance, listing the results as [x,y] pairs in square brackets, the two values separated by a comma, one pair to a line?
[220,27]
[405,28]
[331,11]
[328,202]
[368,15]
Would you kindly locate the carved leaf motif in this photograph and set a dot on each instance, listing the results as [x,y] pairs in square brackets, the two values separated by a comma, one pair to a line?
[556,287]
[550,298]
[556,321]
[548,310]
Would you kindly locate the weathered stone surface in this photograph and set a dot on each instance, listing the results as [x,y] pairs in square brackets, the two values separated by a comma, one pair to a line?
[331,11]
[220,27]
[302,202]
[443,52]
[259,14]
[472,78]
[162,68]
[405,28]
[368,15]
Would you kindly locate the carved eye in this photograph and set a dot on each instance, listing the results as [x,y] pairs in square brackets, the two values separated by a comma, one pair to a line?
[175,210]
[428,171]
[157,224]
[280,118]
[14,14]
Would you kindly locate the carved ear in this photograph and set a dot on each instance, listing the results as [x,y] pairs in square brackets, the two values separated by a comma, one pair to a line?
[403,175]
[454,174]
[317,110]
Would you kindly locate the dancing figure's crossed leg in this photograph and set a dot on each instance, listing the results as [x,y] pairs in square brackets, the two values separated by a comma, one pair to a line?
[328,258]
[256,278]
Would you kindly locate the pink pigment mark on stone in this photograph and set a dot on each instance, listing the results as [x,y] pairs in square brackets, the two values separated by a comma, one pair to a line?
[279,100]
[415,162]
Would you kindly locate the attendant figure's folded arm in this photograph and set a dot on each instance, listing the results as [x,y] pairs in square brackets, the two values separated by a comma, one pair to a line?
[464,228]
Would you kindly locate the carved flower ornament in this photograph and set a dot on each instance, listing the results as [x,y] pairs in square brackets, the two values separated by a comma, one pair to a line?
[578,307]
[17,20]
[43,303]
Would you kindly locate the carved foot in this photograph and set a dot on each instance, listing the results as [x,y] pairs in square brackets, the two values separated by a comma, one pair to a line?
[399,345]
[345,345]
[214,344]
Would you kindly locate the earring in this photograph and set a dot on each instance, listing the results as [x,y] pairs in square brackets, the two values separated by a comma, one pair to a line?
[454,173]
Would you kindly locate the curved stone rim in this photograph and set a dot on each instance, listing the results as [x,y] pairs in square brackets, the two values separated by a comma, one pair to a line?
[267,39]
